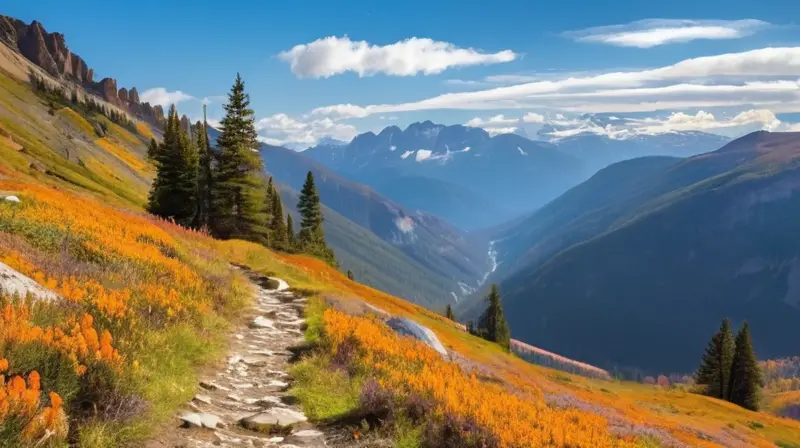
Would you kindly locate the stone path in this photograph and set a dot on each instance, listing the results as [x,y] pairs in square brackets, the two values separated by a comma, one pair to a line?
[244,403]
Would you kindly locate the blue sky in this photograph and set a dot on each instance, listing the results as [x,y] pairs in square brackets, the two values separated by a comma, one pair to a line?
[473,48]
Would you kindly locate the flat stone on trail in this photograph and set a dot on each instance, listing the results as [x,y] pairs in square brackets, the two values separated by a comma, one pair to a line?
[308,433]
[203,399]
[201,420]
[273,418]
[278,383]
[255,361]
[262,322]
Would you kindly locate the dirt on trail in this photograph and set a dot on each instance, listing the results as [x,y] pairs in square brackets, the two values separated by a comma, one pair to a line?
[243,402]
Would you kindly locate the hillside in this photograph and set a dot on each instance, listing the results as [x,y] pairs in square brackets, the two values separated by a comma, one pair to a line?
[452,202]
[429,254]
[357,249]
[666,252]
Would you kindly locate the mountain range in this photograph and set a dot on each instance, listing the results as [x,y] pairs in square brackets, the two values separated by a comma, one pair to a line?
[439,168]
[637,265]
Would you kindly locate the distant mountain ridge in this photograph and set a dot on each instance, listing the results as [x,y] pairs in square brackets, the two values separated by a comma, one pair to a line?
[515,173]
[637,266]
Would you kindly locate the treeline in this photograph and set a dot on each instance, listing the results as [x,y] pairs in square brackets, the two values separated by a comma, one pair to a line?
[225,191]
[729,369]
[56,95]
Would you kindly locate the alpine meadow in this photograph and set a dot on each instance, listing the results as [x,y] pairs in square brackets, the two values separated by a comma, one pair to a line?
[570,226]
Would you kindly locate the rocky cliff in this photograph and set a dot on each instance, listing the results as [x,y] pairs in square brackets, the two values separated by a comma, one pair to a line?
[50,52]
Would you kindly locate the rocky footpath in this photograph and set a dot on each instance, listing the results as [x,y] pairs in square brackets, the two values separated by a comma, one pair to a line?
[244,403]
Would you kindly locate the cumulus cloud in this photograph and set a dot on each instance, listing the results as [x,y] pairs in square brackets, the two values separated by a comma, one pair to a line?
[654,32]
[333,55]
[691,83]
[281,129]
[162,97]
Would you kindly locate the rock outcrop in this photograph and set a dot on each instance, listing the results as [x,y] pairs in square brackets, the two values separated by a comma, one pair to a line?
[50,52]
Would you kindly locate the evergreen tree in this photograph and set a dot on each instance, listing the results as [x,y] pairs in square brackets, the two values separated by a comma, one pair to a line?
[238,189]
[715,367]
[290,233]
[279,239]
[448,313]
[746,376]
[205,178]
[493,326]
[350,275]
[311,237]
[152,149]
[310,213]
[174,191]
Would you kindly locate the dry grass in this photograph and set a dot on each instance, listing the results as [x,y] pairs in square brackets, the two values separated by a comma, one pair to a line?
[76,120]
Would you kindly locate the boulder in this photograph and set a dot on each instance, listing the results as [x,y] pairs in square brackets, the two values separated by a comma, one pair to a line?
[12,199]
[408,327]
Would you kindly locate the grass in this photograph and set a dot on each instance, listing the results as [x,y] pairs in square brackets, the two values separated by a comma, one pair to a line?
[324,393]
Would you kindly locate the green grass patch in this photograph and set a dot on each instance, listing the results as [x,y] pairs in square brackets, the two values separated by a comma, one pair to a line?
[325,394]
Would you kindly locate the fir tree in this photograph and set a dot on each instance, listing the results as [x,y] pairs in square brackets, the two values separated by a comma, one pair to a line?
[350,275]
[205,178]
[311,238]
[238,189]
[310,213]
[152,149]
[746,378]
[448,313]
[279,239]
[290,233]
[715,367]
[174,191]
[492,325]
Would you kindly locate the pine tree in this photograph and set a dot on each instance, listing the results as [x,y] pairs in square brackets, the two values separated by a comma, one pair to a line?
[715,367]
[174,191]
[152,149]
[311,237]
[310,213]
[493,326]
[448,312]
[279,239]
[350,275]
[238,190]
[205,178]
[290,233]
[746,376]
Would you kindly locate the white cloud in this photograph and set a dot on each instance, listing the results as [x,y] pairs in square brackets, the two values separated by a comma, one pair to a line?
[533,117]
[336,55]
[654,32]
[560,126]
[590,94]
[706,121]
[160,96]
[281,129]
